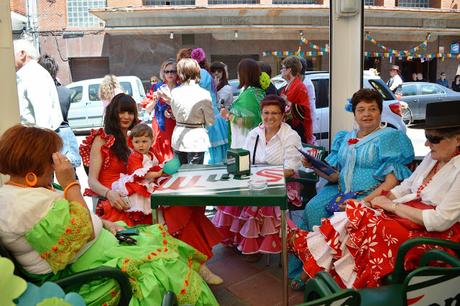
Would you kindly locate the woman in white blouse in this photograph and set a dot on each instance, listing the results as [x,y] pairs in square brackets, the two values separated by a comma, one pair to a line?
[224,91]
[255,230]
[360,244]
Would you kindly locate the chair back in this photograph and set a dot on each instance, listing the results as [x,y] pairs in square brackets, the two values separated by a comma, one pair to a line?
[347,297]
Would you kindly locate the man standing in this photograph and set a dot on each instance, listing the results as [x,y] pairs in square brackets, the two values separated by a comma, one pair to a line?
[38,98]
[442,80]
[395,81]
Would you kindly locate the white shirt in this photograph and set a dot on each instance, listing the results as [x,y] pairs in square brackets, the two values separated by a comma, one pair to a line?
[225,95]
[38,97]
[395,82]
[312,99]
[442,192]
[20,209]
[191,104]
[281,149]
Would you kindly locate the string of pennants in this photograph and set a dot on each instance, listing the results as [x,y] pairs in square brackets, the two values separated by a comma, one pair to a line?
[388,52]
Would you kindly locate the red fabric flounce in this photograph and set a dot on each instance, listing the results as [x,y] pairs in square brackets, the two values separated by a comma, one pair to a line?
[107,212]
[85,147]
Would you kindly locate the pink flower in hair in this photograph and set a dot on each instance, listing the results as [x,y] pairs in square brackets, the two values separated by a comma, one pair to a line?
[198,55]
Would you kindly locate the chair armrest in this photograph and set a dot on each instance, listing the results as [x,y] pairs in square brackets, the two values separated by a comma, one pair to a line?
[345,297]
[101,272]
[329,281]
[169,299]
[439,255]
[399,272]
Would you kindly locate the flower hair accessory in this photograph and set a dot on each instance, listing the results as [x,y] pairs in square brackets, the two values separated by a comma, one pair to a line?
[264,80]
[349,106]
[198,55]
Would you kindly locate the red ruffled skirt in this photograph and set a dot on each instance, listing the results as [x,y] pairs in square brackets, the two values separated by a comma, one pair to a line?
[133,218]
[359,246]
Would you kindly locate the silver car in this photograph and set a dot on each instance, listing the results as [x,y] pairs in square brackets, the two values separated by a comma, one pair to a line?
[418,94]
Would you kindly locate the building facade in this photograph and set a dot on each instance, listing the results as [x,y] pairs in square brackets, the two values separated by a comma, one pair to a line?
[91,38]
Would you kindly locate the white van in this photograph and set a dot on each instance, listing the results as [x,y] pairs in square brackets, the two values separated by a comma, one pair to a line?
[86,109]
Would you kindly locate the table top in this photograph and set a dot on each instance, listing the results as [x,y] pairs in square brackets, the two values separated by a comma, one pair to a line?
[201,185]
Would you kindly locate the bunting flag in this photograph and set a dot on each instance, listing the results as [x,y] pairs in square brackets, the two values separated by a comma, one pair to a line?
[422,45]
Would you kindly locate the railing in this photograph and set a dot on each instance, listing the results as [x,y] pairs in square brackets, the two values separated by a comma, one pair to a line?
[297,1]
[233,1]
[169,2]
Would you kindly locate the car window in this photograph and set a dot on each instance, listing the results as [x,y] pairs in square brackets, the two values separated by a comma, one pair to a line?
[409,90]
[76,94]
[140,88]
[127,88]
[93,92]
[381,88]
[321,92]
[430,89]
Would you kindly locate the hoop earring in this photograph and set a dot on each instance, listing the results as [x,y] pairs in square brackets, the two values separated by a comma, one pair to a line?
[31,179]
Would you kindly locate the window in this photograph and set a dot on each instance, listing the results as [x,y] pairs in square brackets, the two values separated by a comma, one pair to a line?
[127,88]
[381,88]
[321,92]
[93,92]
[413,3]
[297,2]
[78,14]
[409,90]
[369,2]
[233,1]
[76,93]
[169,2]
[431,89]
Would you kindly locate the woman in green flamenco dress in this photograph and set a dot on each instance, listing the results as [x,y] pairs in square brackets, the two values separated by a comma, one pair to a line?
[52,234]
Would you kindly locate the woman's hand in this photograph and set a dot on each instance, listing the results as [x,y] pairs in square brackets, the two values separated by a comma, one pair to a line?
[383,202]
[306,163]
[65,174]
[116,200]
[112,227]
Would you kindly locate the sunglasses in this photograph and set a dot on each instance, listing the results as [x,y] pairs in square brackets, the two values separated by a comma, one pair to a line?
[170,71]
[434,139]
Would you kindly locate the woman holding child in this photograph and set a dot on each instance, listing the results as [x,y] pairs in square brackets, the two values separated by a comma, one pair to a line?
[358,246]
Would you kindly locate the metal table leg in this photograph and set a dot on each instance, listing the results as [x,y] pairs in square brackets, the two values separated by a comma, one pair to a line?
[285,257]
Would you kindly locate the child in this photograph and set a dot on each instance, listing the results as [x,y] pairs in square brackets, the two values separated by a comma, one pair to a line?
[143,169]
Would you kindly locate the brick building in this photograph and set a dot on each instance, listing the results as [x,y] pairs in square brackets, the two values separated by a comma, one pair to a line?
[133,37]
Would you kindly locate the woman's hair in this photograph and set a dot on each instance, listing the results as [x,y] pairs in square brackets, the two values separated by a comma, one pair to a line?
[188,69]
[49,64]
[264,67]
[165,64]
[26,149]
[140,130]
[120,103]
[219,66]
[273,100]
[248,73]
[294,63]
[108,87]
[184,53]
[456,77]
[367,95]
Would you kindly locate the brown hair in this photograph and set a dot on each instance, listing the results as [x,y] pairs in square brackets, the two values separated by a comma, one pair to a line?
[273,100]
[294,63]
[26,149]
[140,130]
[248,73]
[188,69]
[368,95]
[184,53]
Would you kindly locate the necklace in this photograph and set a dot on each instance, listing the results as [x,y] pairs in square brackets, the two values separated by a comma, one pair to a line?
[428,179]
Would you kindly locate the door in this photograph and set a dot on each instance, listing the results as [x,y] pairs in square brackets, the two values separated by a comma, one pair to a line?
[94,107]
[77,112]
[409,93]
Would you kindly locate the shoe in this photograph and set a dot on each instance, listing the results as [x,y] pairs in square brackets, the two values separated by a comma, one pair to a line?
[209,277]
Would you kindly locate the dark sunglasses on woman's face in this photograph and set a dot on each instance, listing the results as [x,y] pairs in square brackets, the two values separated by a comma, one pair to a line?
[170,71]
[434,139]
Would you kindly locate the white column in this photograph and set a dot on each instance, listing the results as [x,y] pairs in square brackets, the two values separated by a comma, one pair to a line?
[9,105]
[345,62]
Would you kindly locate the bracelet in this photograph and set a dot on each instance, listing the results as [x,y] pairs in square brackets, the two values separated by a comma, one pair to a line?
[107,192]
[66,189]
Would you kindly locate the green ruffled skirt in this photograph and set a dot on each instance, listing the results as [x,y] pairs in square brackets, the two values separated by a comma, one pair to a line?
[156,264]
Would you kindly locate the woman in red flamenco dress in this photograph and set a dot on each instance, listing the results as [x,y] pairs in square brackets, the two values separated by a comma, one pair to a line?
[105,152]
[358,246]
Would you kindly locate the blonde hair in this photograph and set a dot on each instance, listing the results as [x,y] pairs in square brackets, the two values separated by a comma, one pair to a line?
[188,69]
[165,64]
[109,87]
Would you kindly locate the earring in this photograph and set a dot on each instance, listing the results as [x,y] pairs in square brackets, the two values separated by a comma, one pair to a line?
[31,179]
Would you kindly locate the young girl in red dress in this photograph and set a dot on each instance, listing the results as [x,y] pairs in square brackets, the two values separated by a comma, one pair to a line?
[143,170]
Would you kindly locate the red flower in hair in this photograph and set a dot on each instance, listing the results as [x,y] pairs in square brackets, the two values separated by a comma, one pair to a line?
[353,141]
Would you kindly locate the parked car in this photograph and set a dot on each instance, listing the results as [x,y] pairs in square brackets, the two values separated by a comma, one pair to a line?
[86,109]
[391,113]
[418,94]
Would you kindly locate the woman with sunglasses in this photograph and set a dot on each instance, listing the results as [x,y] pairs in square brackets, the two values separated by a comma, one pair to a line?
[362,242]
[163,121]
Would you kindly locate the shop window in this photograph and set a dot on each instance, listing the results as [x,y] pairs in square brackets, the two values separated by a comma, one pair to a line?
[413,3]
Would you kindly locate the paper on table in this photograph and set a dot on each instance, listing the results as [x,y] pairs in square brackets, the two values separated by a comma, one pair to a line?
[318,164]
